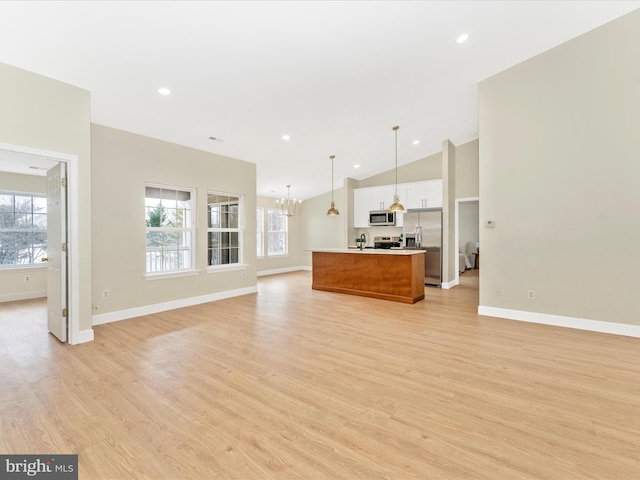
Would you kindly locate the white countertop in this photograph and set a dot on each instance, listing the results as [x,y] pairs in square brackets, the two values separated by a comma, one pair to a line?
[370,251]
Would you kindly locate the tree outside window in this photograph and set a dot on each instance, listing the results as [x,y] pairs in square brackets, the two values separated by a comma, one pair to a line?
[23,228]
[169,229]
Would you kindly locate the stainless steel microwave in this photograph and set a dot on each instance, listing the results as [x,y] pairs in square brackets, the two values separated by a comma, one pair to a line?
[381,218]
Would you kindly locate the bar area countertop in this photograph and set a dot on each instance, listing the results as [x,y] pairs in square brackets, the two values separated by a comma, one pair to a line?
[387,274]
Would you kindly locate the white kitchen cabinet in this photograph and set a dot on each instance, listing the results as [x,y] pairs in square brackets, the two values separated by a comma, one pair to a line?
[434,194]
[426,194]
[380,198]
[361,207]
[368,199]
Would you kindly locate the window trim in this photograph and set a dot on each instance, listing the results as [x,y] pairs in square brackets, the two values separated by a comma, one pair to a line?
[172,274]
[260,213]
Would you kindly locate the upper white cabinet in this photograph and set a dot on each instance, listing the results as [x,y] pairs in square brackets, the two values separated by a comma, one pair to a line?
[361,207]
[368,199]
[426,194]
[381,198]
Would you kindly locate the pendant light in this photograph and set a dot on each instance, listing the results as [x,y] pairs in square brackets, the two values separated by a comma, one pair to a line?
[333,210]
[396,206]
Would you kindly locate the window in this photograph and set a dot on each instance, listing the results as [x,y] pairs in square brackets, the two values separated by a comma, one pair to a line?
[277,230]
[169,227]
[23,228]
[260,230]
[224,229]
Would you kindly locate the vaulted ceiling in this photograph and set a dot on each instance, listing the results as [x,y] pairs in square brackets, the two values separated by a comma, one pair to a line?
[335,76]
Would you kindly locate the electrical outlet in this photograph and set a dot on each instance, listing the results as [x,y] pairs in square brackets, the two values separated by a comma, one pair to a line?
[499,291]
[106,294]
[27,278]
[531,294]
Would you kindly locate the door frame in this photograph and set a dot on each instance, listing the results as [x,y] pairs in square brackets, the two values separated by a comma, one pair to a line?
[73,275]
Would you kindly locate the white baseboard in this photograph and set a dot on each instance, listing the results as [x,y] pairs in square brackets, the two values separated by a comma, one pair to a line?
[560,321]
[84,336]
[282,270]
[14,297]
[451,284]
[102,318]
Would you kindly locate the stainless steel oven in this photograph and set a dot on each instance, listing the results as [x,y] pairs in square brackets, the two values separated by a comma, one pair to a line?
[387,242]
[382,218]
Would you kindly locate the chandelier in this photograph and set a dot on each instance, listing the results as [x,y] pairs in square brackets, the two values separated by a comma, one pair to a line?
[288,206]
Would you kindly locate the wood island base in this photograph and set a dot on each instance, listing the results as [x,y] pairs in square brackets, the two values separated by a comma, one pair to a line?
[388,275]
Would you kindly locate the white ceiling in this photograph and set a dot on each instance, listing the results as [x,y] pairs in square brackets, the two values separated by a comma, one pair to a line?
[335,75]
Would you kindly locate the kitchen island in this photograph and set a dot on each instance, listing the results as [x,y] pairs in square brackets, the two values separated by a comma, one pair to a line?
[396,275]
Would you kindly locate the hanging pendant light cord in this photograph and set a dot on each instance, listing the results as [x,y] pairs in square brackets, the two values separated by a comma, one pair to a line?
[332,157]
[396,130]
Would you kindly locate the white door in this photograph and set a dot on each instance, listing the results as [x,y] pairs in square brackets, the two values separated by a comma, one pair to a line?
[57,251]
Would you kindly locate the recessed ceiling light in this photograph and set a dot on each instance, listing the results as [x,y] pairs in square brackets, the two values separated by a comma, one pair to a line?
[164,91]
[416,142]
[356,166]
[463,38]
[286,137]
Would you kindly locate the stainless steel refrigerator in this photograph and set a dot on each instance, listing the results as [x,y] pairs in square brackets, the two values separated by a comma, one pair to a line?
[426,225]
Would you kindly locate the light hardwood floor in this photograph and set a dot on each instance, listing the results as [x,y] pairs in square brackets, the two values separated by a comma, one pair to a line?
[297,383]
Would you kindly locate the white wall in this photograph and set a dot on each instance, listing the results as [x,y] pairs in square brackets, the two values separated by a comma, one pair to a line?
[559,176]
[122,163]
[321,230]
[41,113]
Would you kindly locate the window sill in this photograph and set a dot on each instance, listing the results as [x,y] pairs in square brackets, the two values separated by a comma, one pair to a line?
[176,273]
[227,268]
[28,266]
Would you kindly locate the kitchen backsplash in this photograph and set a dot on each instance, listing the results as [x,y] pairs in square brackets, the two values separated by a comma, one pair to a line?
[372,232]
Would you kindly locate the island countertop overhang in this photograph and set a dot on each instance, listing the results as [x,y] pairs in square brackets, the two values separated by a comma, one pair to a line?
[369,251]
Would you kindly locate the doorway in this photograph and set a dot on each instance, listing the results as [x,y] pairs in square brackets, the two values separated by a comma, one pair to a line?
[467,225]
[30,161]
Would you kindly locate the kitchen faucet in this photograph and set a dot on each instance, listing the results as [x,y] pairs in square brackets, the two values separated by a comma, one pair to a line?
[363,238]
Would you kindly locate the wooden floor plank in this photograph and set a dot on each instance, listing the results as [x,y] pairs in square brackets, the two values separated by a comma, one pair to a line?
[295,383]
